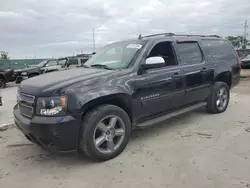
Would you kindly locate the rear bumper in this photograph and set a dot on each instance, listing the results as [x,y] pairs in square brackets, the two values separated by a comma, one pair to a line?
[58,135]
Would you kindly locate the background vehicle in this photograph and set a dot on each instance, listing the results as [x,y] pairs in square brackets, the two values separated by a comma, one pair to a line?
[46,65]
[6,76]
[126,85]
[246,62]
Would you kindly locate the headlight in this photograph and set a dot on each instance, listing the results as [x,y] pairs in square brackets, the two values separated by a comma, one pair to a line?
[24,73]
[51,106]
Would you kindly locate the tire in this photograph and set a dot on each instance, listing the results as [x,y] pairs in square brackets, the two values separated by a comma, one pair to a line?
[213,106]
[91,132]
[2,83]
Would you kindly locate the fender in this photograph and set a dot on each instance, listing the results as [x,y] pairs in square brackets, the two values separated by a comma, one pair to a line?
[101,94]
[2,76]
[221,68]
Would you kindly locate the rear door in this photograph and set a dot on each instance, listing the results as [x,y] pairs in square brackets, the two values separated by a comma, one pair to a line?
[197,75]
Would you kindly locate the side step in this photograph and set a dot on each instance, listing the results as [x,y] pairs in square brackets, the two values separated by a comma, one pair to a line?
[170,115]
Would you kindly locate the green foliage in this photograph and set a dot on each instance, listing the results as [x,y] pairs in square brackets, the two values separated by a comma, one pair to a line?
[4,55]
[238,42]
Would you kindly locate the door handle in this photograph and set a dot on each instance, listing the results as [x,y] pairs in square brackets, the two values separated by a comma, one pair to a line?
[204,69]
[176,75]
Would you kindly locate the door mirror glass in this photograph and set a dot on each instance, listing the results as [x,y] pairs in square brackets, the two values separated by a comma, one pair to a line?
[154,62]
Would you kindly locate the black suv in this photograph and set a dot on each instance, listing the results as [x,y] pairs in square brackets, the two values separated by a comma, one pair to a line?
[6,76]
[127,85]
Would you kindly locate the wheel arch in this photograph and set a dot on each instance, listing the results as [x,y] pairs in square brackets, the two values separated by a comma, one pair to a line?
[225,77]
[2,77]
[121,100]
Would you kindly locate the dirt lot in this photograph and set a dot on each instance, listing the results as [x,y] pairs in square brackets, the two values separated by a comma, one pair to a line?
[9,100]
[194,150]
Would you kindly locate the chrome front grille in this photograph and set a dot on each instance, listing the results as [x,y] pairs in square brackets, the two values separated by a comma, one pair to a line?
[26,104]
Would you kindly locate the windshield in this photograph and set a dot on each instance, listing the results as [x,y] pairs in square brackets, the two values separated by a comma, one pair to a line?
[42,63]
[117,55]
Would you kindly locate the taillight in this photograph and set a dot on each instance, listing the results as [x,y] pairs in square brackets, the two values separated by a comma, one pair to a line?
[239,62]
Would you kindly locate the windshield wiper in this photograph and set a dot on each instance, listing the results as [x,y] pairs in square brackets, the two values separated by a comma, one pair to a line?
[85,66]
[101,66]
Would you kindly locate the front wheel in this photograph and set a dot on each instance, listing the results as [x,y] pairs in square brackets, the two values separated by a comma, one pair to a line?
[105,132]
[2,83]
[219,98]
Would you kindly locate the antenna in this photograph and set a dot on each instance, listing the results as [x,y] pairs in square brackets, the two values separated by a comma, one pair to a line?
[245,34]
[140,37]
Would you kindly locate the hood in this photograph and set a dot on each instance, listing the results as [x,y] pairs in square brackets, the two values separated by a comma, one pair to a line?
[28,69]
[32,65]
[47,83]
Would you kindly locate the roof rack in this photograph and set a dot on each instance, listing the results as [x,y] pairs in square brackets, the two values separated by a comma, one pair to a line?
[159,34]
[172,34]
[199,35]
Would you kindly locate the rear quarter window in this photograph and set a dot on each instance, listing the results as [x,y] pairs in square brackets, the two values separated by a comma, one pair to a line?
[217,49]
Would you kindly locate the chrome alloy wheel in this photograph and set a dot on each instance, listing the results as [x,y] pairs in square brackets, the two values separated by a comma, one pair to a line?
[222,98]
[109,134]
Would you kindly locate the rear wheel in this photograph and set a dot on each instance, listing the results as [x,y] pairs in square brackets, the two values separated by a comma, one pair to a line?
[105,132]
[2,83]
[219,98]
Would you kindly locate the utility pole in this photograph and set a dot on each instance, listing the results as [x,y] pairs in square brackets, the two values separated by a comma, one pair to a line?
[245,33]
[93,30]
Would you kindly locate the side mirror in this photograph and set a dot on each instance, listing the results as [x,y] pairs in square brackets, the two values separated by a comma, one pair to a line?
[154,62]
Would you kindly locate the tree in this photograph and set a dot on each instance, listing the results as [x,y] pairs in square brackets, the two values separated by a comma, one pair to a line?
[238,42]
[4,55]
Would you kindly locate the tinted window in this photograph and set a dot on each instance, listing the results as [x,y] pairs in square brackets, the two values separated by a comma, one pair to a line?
[164,50]
[189,53]
[73,61]
[62,61]
[217,48]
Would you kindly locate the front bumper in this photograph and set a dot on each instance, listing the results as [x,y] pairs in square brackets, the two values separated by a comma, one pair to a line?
[1,102]
[58,135]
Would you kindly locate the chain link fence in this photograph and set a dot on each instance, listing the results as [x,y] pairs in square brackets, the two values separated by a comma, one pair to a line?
[17,63]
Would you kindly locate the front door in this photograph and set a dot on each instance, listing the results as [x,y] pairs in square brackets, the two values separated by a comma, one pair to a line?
[160,90]
[198,76]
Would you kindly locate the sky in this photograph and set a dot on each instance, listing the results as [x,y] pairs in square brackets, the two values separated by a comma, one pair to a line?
[57,28]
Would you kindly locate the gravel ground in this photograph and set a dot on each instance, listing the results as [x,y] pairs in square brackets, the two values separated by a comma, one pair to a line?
[9,100]
[193,150]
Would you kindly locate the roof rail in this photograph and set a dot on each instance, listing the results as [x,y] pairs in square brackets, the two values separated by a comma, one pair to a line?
[199,35]
[172,34]
[159,34]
